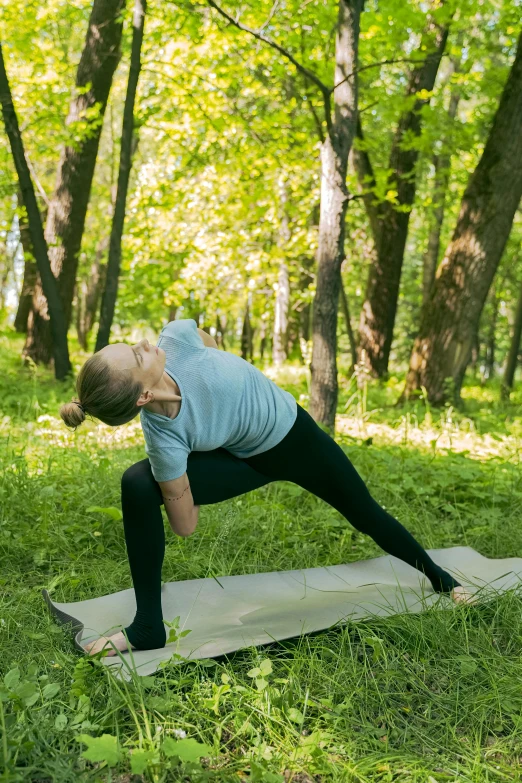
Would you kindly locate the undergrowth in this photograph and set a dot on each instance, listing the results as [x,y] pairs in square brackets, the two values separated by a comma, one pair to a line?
[420,698]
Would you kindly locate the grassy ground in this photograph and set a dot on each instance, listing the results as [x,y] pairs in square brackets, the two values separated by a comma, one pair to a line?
[414,698]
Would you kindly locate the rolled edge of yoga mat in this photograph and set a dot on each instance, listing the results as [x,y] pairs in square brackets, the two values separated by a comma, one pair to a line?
[63,618]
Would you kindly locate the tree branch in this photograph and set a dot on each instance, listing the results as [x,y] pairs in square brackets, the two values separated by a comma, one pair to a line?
[325,91]
[378,65]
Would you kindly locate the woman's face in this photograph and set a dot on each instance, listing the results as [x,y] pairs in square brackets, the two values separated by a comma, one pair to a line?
[144,361]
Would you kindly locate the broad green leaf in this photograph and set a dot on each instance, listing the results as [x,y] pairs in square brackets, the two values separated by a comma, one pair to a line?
[185,749]
[265,667]
[60,722]
[104,748]
[12,678]
[28,691]
[295,715]
[140,759]
[51,690]
[110,511]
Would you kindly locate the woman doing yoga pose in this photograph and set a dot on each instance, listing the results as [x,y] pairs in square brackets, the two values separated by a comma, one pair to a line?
[215,427]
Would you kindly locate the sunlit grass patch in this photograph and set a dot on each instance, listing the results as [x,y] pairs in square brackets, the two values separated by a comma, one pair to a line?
[412,698]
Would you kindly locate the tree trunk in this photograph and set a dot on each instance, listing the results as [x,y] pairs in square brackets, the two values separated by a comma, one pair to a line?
[89,296]
[514,348]
[221,327]
[449,319]
[30,268]
[489,363]
[334,201]
[442,166]
[304,323]
[303,306]
[58,324]
[475,352]
[113,265]
[348,323]
[282,300]
[390,224]
[262,339]
[68,207]
[6,268]
[246,336]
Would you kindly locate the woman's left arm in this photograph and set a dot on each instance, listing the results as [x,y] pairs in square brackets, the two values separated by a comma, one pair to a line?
[179,505]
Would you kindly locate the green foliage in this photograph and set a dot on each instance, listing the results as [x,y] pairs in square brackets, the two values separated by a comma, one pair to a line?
[221,121]
[185,749]
[104,748]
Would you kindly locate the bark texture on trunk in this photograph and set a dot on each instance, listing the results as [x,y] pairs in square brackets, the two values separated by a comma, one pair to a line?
[282,303]
[247,336]
[58,324]
[68,207]
[303,307]
[491,342]
[334,201]
[389,225]
[114,262]
[282,299]
[30,268]
[221,328]
[449,319]
[514,350]
[88,296]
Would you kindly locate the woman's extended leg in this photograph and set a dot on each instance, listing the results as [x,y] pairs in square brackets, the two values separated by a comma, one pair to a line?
[214,476]
[311,458]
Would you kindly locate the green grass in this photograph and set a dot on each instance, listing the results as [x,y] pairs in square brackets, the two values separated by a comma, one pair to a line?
[411,698]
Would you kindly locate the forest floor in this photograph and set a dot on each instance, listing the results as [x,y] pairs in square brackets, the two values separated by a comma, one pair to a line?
[428,698]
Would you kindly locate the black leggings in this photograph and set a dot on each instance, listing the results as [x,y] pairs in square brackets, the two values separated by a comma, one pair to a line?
[307,456]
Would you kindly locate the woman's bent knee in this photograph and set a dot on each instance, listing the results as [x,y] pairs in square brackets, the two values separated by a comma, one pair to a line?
[138,480]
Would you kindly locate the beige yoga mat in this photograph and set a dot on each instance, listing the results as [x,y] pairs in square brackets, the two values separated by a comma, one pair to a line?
[256,609]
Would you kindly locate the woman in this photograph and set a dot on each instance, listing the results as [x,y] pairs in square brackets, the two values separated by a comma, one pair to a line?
[215,427]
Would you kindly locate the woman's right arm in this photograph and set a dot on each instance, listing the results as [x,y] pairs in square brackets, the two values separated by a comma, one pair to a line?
[179,505]
[207,339]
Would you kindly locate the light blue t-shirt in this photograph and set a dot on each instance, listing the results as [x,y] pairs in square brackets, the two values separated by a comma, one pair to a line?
[225,402]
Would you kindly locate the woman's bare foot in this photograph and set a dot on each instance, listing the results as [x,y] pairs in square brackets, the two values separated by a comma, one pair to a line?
[118,640]
[461,595]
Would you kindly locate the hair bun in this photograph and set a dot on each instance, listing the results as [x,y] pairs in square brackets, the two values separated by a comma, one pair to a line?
[72,413]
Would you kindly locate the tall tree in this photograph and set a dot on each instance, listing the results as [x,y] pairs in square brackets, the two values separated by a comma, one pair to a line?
[68,206]
[390,219]
[340,130]
[334,202]
[282,299]
[30,268]
[58,325]
[450,317]
[25,301]
[88,293]
[114,262]
[514,350]
[247,334]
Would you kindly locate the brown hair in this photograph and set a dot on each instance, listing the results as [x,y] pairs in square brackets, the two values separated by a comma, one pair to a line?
[104,392]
